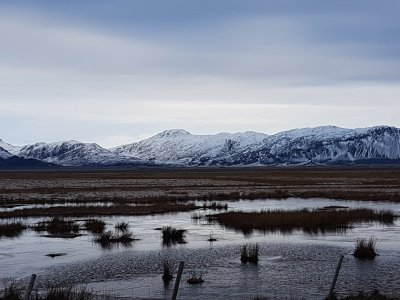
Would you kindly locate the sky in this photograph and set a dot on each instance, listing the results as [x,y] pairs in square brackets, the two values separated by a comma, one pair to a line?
[113,72]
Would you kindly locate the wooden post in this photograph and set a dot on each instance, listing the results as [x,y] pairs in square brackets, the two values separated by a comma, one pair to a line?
[330,296]
[30,287]
[178,280]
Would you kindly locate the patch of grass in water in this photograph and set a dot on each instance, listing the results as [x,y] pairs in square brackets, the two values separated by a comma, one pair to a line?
[249,253]
[122,226]
[172,236]
[95,225]
[109,238]
[215,206]
[167,271]
[365,248]
[310,221]
[12,229]
[58,227]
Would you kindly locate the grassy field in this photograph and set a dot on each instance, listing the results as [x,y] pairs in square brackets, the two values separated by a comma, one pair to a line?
[156,187]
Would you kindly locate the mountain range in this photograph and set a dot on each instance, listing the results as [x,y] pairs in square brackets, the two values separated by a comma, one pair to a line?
[324,145]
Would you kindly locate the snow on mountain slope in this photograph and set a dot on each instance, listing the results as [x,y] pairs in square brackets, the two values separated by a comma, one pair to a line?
[178,146]
[10,148]
[319,145]
[73,153]
[4,154]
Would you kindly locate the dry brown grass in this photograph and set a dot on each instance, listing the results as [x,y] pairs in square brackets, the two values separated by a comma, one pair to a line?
[84,211]
[311,221]
[159,185]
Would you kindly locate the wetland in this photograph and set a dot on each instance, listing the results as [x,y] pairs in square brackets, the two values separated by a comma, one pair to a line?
[113,230]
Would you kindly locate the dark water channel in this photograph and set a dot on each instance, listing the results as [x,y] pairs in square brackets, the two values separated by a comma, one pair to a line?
[296,265]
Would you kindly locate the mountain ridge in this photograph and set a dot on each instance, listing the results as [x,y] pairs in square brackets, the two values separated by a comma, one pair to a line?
[322,145]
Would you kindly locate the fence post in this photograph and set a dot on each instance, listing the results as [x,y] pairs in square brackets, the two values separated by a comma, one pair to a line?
[330,296]
[30,287]
[177,280]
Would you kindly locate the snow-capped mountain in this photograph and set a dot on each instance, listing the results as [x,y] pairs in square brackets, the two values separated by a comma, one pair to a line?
[320,145]
[177,146]
[74,153]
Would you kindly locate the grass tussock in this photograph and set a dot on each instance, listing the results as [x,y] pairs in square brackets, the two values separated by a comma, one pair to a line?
[249,253]
[311,221]
[122,226]
[365,248]
[95,225]
[215,206]
[197,216]
[172,236]
[167,271]
[12,229]
[195,279]
[58,226]
[109,238]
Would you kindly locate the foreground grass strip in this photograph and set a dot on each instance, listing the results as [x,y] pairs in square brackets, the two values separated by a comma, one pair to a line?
[84,211]
[311,221]
[374,295]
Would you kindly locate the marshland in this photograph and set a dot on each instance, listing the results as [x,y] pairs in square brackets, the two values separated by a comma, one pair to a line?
[119,229]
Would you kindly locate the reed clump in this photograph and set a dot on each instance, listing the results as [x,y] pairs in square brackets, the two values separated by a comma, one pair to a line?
[58,226]
[12,229]
[95,225]
[172,236]
[311,221]
[108,238]
[167,271]
[365,248]
[249,253]
[195,279]
[215,206]
[197,216]
[122,226]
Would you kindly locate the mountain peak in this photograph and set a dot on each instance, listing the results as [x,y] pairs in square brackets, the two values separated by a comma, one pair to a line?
[173,133]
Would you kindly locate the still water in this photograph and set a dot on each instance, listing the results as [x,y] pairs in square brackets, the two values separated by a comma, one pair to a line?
[296,265]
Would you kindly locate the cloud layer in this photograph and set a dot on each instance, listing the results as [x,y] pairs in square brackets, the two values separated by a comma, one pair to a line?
[96,71]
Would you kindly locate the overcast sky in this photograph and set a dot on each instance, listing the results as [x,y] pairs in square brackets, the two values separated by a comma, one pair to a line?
[114,71]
